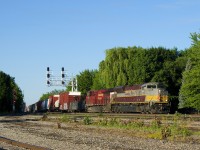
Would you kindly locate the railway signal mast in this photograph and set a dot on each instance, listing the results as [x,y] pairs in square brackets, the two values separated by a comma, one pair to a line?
[62,80]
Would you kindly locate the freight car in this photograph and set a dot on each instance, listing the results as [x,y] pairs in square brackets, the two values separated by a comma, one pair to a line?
[32,108]
[64,102]
[146,98]
[54,102]
[70,102]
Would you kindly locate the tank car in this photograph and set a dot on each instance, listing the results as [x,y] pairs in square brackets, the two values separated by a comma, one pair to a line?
[146,98]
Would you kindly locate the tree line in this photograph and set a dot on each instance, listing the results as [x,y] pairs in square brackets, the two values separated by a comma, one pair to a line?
[178,70]
[11,96]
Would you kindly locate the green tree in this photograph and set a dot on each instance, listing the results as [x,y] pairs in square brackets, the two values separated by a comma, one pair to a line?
[98,82]
[136,65]
[85,80]
[53,92]
[10,94]
[17,97]
[190,89]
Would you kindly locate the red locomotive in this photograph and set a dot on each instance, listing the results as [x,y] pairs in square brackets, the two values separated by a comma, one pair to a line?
[145,98]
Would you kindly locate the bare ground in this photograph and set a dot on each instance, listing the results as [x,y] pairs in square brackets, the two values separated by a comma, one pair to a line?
[28,129]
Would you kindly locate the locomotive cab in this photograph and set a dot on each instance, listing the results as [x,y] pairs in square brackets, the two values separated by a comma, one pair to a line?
[155,92]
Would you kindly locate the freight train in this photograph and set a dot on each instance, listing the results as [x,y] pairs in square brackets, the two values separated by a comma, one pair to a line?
[144,98]
[64,102]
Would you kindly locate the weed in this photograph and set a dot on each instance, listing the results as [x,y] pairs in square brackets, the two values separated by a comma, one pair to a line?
[44,117]
[165,132]
[136,123]
[65,118]
[113,122]
[156,123]
[58,125]
[155,135]
[87,120]
[103,122]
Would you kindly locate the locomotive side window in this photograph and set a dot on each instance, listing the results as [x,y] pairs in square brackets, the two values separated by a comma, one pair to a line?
[151,86]
[144,87]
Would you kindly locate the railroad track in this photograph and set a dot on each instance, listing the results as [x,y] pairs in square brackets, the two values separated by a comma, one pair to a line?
[129,115]
[21,145]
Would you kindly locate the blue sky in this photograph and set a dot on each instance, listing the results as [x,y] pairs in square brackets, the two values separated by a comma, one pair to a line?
[74,34]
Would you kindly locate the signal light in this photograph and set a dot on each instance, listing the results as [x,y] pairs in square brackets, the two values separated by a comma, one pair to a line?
[48,75]
[62,72]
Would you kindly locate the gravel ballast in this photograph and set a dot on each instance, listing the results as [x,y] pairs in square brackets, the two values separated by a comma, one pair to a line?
[78,137]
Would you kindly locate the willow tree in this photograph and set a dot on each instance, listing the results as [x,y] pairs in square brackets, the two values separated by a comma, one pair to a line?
[136,65]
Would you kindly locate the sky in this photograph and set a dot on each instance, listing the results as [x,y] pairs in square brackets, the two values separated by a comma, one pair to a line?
[74,34]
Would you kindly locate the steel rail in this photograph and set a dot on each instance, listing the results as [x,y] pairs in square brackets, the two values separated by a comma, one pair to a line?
[22,145]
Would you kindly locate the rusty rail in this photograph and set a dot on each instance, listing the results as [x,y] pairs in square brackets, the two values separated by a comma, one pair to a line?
[22,145]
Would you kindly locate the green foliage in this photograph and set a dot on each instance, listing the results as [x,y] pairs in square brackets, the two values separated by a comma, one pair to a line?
[87,120]
[136,65]
[18,97]
[190,88]
[178,128]
[85,80]
[65,118]
[156,123]
[103,122]
[54,92]
[97,82]
[166,132]
[10,94]
[137,123]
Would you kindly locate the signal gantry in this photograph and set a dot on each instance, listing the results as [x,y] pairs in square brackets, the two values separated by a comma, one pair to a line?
[62,80]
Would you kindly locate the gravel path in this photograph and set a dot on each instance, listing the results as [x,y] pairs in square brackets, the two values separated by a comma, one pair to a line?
[77,137]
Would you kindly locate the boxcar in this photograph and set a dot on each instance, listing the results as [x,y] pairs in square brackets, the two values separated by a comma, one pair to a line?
[69,101]
[54,102]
